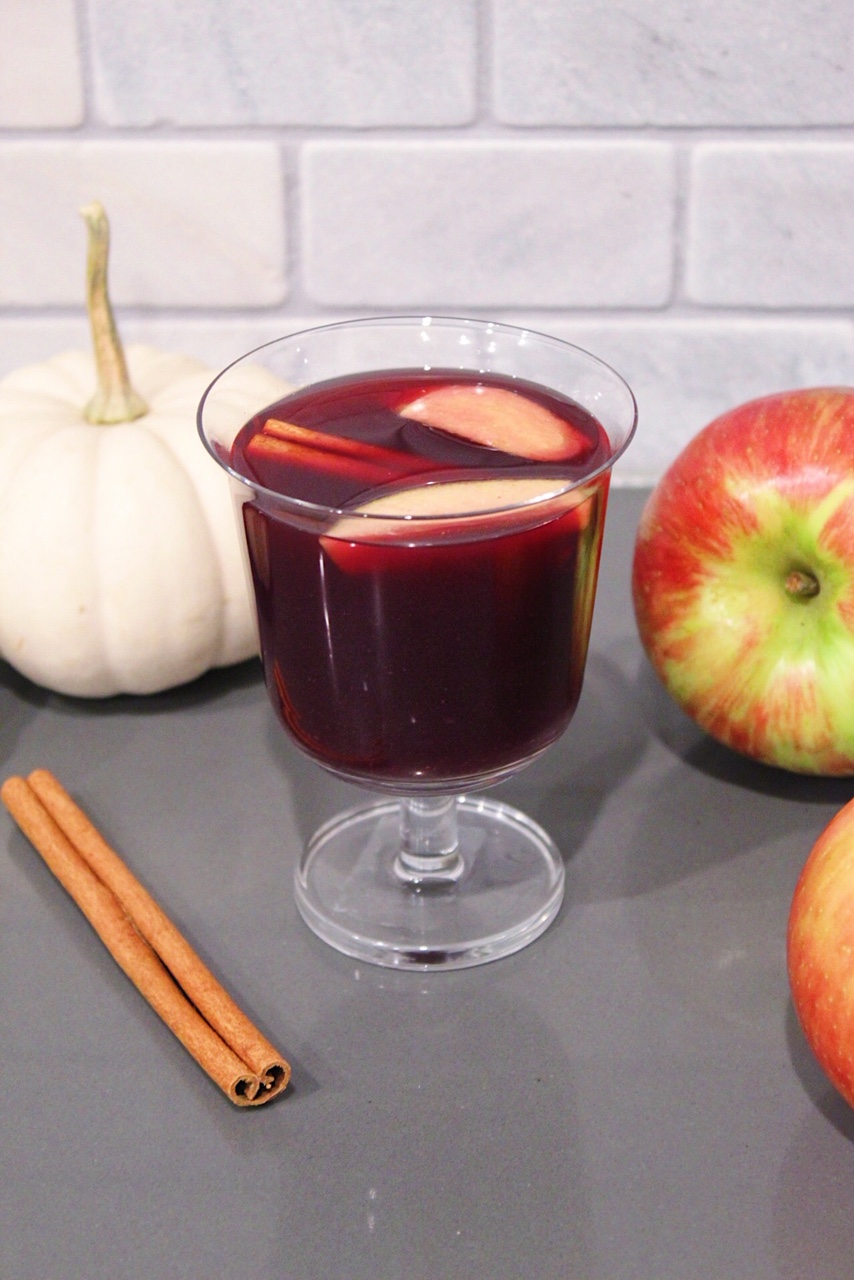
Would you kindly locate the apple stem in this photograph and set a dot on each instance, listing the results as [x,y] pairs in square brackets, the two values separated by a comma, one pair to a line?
[801,584]
[115,399]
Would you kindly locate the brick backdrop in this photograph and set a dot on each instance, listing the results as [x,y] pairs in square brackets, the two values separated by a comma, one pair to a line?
[667,182]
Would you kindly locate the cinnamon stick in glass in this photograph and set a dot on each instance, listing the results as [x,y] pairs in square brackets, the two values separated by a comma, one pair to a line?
[145,943]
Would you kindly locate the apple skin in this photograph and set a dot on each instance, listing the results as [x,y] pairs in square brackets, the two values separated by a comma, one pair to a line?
[820,951]
[743,580]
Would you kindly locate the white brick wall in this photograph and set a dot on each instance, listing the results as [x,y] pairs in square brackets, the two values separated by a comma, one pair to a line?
[488,224]
[772,224]
[193,223]
[673,62]
[669,183]
[349,63]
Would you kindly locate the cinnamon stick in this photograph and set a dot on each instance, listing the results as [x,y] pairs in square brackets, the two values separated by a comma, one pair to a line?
[145,943]
[363,450]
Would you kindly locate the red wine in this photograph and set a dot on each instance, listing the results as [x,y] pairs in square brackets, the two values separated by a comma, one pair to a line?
[406,653]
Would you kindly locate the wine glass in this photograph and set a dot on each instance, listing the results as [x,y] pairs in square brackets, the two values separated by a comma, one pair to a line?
[424,583]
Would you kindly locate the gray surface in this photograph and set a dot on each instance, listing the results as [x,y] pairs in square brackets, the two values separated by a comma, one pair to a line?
[628,1099]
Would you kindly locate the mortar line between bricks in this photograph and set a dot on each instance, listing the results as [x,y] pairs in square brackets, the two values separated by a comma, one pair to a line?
[481,130]
[683,312]
[681,203]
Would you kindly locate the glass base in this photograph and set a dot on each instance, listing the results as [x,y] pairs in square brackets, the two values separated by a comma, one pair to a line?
[499,891]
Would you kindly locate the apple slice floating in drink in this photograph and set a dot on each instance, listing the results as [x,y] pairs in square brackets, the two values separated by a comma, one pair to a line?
[499,419]
[437,513]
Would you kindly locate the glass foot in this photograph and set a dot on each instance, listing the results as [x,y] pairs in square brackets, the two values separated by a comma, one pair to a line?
[497,891]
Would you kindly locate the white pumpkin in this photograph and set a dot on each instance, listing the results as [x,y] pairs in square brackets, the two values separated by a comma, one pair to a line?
[121,567]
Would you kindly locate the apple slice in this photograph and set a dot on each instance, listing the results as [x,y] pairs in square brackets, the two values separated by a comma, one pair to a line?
[431,513]
[499,419]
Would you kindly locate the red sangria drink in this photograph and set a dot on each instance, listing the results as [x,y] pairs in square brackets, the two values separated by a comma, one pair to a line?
[436,633]
[423,513]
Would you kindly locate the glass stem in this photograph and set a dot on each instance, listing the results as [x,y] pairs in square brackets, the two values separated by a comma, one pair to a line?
[429,852]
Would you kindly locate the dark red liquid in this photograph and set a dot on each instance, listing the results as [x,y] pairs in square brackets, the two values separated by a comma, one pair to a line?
[442,658]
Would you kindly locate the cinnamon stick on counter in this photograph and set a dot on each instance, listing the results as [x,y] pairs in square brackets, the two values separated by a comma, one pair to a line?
[145,943]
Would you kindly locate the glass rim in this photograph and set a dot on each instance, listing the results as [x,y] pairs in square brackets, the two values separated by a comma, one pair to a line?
[320,512]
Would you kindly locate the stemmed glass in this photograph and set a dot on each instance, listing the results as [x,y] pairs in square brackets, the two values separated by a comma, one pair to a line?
[428,638]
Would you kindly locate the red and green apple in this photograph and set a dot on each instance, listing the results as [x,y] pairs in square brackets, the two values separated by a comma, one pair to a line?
[743,580]
[820,949]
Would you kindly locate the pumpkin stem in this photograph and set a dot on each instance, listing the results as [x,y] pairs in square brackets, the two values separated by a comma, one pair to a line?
[115,400]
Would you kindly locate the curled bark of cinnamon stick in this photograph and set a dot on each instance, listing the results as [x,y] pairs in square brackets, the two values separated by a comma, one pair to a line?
[145,943]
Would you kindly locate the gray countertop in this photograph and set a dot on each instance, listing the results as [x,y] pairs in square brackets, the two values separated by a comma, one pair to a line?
[629,1098]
